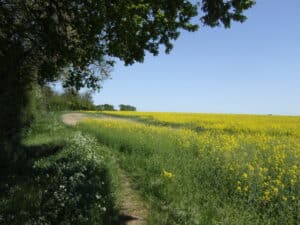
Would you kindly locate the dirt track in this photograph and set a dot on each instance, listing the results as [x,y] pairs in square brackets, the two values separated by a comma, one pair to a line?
[133,210]
[73,118]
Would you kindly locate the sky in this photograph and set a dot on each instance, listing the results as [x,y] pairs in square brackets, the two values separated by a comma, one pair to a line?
[252,68]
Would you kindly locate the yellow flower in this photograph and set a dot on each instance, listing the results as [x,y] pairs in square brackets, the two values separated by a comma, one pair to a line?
[267,196]
[245,175]
[250,167]
[275,190]
[293,181]
[168,174]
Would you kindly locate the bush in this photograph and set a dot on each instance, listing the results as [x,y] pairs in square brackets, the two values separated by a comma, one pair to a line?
[72,186]
[50,100]
[79,189]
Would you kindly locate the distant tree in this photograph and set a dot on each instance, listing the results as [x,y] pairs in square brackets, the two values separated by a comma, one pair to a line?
[87,101]
[50,100]
[71,99]
[73,40]
[127,108]
[105,107]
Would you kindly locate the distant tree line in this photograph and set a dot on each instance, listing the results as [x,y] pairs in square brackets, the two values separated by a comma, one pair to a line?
[105,107]
[127,108]
[108,107]
[70,99]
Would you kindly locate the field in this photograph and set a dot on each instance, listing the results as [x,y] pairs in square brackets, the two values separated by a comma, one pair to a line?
[208,168]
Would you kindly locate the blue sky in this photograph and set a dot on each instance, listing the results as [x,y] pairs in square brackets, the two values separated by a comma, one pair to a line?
[253,67]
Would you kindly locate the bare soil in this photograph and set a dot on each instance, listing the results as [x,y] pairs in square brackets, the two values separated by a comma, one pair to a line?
[72,118]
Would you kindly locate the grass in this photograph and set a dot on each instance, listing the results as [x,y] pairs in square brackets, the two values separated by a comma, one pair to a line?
[64,177]
[208,171]
[212,176]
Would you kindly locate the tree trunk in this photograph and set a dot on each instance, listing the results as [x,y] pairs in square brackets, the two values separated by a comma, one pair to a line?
[16,102]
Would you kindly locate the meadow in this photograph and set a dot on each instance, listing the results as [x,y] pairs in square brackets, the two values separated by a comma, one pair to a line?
[208,168]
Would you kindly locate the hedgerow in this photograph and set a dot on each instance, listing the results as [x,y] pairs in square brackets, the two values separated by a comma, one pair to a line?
[71,186]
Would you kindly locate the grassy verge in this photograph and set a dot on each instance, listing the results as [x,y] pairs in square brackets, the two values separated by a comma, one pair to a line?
[191,178]
[65,177]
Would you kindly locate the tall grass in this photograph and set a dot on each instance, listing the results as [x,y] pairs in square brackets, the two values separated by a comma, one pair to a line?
[208,177]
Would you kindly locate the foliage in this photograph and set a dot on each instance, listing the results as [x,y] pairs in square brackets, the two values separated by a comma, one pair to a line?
[108,107]
[49,100]
[79,33]
[105,107]
[239,170]
[66,179]
[127,108]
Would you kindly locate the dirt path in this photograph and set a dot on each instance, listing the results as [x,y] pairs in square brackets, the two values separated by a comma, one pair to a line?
[133,210]
[74,118]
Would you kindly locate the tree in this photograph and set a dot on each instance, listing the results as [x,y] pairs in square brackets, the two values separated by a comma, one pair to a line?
[70,99]
[76,40]
[127,108]
[105,107]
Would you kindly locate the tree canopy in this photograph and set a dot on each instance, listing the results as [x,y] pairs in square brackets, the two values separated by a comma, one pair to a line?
[105,107]
[56,36]
[127,107]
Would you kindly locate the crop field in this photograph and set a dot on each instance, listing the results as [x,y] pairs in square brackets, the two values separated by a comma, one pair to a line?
[209,168]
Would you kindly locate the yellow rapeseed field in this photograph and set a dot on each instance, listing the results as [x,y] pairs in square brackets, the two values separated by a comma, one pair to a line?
[259,155]
[243,123]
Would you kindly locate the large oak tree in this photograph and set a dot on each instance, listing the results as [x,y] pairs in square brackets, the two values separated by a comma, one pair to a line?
[46,40]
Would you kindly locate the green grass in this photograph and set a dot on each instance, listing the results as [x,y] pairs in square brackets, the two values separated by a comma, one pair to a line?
[199,193]
[70,176]
[64,177]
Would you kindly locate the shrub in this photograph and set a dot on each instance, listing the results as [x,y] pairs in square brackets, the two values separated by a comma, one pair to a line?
[77,185]
[71,186]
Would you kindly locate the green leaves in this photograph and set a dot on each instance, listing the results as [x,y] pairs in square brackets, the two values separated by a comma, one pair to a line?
[217,12]
[40,39]
[77,33]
